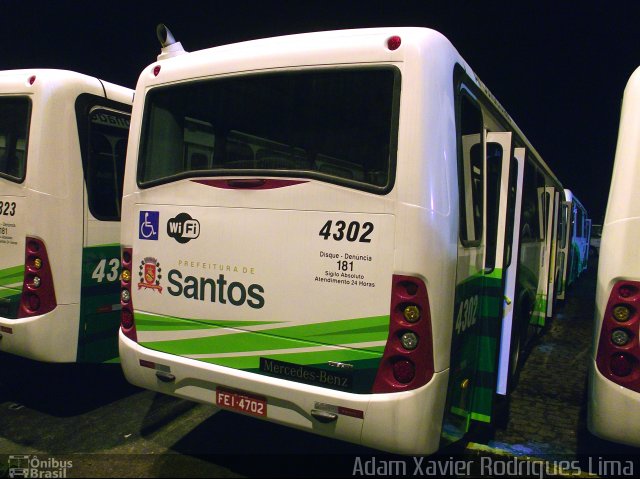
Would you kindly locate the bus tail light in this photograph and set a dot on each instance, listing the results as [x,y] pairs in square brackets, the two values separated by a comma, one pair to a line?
[127,324]
[38,292]
[407,362]
[618,354]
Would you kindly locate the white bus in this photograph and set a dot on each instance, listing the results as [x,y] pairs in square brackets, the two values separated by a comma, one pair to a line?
[324,230]
[573,244]
[614,378]
[63,142]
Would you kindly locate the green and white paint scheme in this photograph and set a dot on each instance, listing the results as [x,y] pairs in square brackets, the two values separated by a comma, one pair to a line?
[45,196]
[249,274]
[12,240]
[219,286]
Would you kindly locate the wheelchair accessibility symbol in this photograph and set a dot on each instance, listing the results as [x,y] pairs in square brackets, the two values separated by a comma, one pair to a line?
[149,221]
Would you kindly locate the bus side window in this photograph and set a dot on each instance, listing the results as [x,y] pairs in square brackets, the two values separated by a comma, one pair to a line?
[511,207]
[562,226]
[14,125]
[543,206]
[108,134]
[494,172]
[530,220]
[121,156]
[470,170]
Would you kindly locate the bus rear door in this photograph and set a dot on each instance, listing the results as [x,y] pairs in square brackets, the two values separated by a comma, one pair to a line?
[106,135]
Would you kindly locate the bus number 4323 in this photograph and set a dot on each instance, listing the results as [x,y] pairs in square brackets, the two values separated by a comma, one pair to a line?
[106,271]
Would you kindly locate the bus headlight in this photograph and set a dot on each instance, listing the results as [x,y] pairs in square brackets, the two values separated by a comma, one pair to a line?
[125,295]
[36,282]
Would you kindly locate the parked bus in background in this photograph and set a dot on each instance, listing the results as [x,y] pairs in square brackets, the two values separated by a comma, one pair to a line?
[573,244]
[63,141]
[594,240]
[342,232]
[614,379]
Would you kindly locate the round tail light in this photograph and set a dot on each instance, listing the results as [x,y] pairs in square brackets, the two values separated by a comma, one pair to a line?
[621,365]
[126,319]
[404,371]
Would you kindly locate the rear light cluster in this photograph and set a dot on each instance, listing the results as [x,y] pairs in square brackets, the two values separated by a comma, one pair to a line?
[618,356]
[38,294]
[407,362]
[126,316]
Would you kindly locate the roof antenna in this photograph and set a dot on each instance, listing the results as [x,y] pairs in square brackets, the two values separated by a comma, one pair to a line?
[170,48]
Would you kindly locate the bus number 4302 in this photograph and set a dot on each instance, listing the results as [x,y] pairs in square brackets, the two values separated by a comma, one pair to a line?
[351,232]
[467,314]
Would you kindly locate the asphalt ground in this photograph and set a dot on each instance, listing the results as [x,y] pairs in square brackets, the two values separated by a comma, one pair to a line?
[78,420]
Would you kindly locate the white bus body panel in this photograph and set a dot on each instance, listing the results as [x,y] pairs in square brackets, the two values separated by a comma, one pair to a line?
[613,411]
[53,183]
[407,422]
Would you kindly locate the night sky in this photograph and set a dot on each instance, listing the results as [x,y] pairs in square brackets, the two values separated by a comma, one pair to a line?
[558,67]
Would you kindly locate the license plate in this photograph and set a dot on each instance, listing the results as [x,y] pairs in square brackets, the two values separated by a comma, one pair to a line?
[241,401]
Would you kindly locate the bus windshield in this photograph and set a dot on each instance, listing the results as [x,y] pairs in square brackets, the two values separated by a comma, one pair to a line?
[14,125]
[337,125]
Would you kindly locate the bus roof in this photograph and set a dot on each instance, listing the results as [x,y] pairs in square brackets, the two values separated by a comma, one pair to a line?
[20,82]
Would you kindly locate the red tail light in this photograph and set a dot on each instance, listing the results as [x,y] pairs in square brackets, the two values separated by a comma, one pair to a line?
[618,355]
[127,323]
[38,292]
[407,362]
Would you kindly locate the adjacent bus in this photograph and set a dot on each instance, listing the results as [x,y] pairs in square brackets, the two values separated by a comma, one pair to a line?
[574,245]
[342,232]
[614,379]
[63,139]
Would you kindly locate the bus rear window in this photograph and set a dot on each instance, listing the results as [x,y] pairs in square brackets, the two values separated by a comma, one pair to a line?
[15,113]
[337,125]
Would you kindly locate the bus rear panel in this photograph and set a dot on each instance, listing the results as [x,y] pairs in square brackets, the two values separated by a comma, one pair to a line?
[63,140]
[292,241]
[267,284]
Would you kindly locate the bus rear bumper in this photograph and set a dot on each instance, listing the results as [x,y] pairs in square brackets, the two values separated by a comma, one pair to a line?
[51,337]
[406,423]
[612,410]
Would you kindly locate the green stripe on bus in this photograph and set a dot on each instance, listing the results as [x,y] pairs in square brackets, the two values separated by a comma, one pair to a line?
[10,293]
[480,417]
[14,274]
[480,277]
[539,315]
[331,333]
[99,292]
[153,322]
